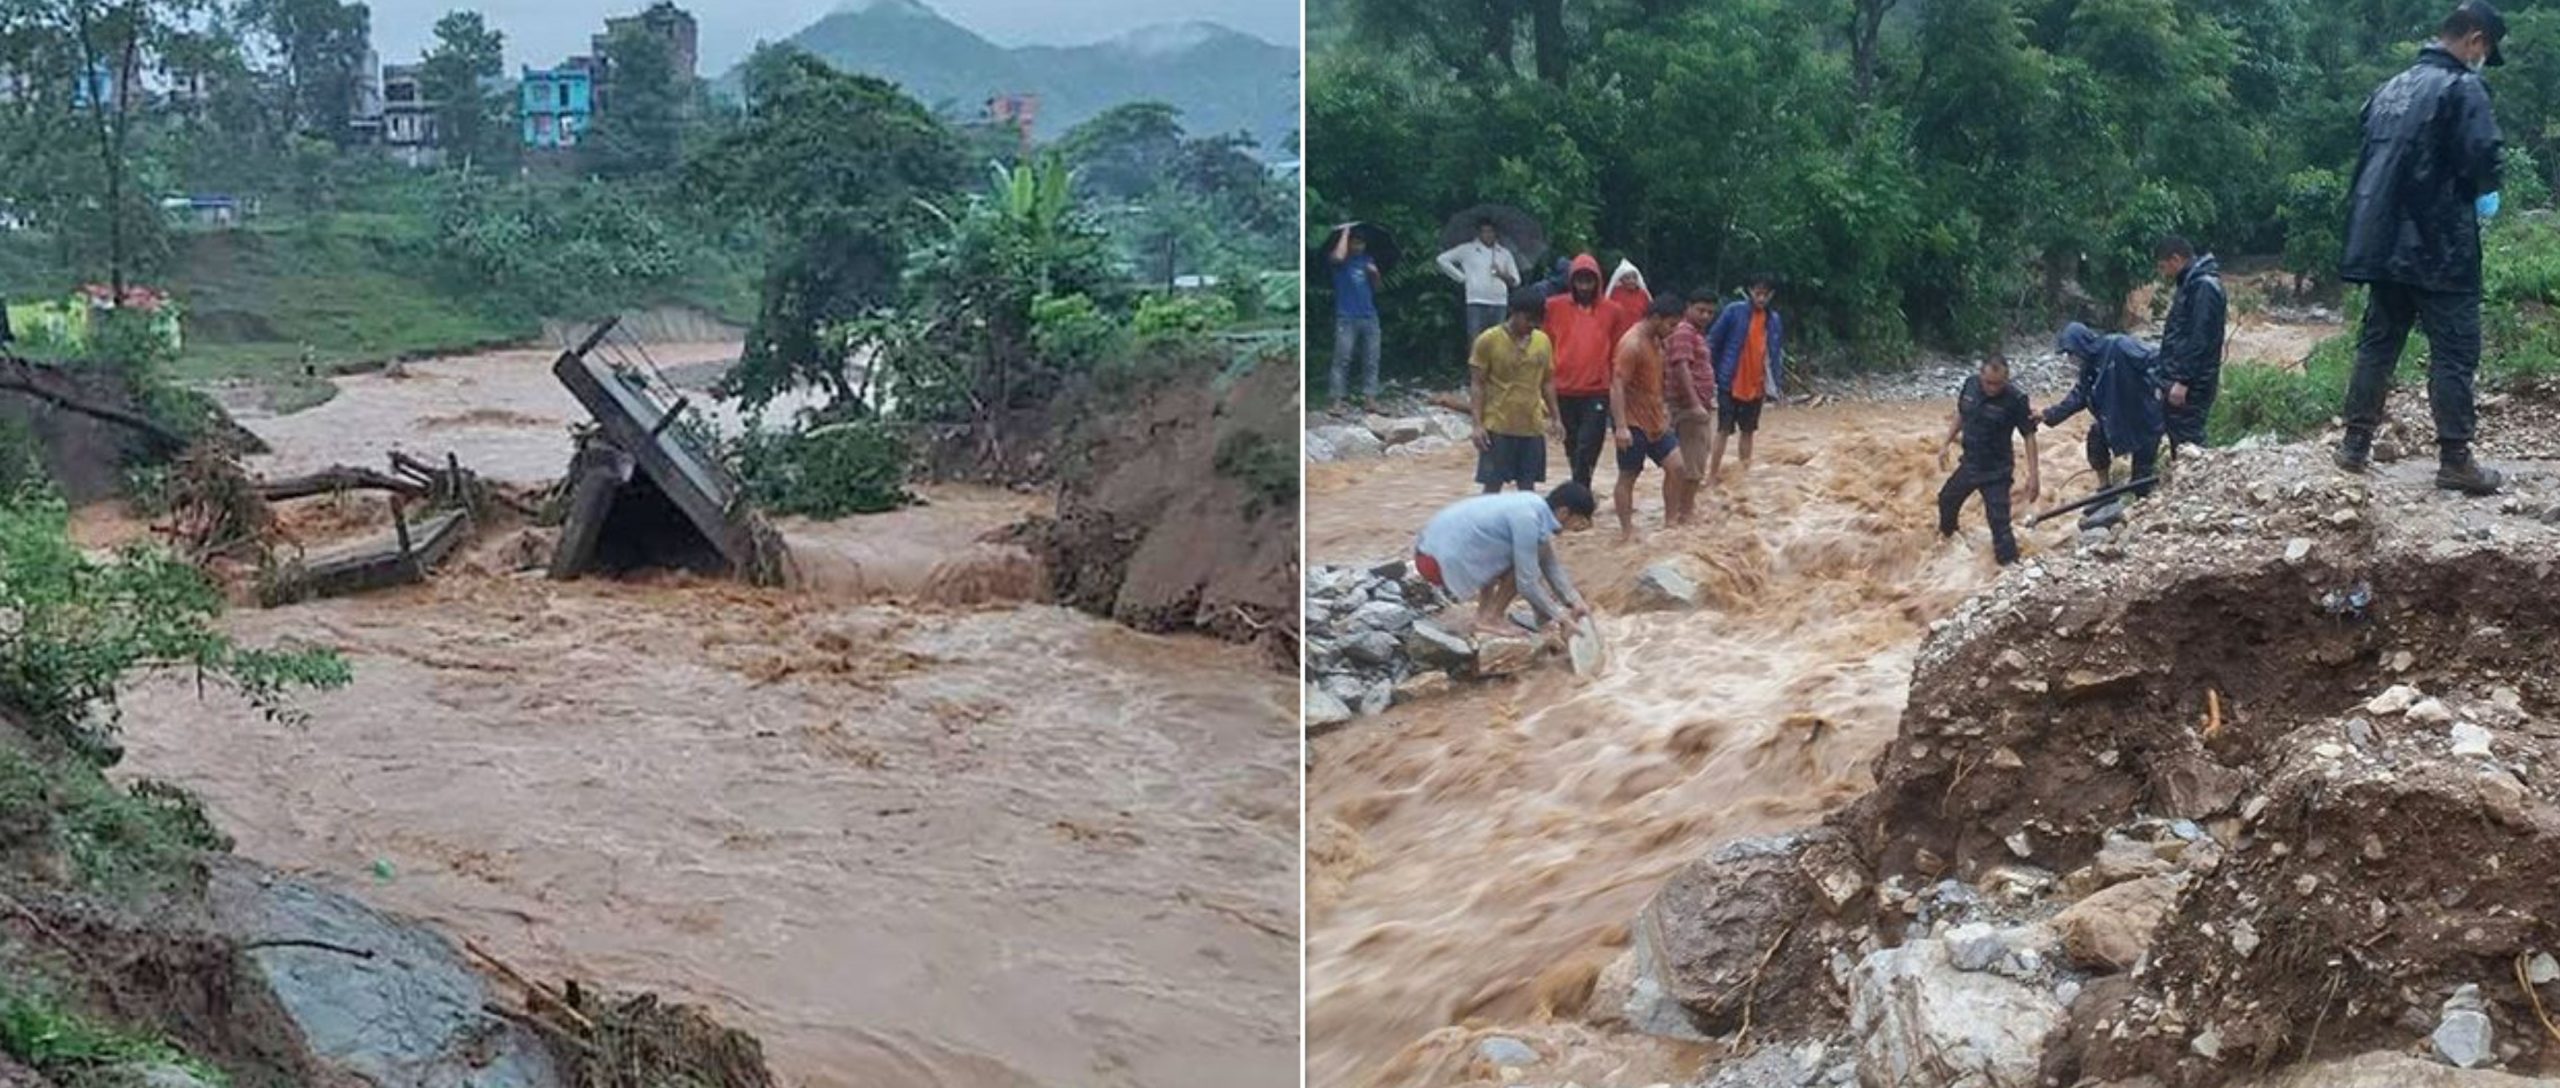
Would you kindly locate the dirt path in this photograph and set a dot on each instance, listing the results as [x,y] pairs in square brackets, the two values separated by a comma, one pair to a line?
[904,843]
[1474,860]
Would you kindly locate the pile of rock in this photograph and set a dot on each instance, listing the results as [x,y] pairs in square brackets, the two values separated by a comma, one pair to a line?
[1428,429]
[1380,635]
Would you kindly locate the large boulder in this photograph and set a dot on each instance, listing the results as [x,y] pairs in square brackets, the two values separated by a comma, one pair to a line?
[1346,443]
[387,1003]
[1324,711]
[1746,931]
[1923,1023]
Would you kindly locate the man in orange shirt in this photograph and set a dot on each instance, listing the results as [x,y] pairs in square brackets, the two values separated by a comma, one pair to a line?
[1749,346]
[1579,325]
[1644,421]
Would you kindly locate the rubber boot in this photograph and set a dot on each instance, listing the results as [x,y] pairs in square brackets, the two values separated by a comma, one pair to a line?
[2354,452]
[2458,471]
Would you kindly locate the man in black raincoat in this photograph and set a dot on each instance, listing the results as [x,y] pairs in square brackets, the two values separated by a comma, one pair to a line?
[2426,179]
[2119,385]
[2191,343]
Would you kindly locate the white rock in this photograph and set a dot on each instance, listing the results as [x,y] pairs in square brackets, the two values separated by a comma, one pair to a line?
[1975,946]
[2542,969]
[2470,740]
[1323,710]
[2462,1038]
[2398,700]
[1503,1051]
[2430,711]
[1914,1013]
[2297,550]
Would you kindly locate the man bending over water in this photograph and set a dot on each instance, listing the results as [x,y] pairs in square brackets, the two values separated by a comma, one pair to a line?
[1497,547]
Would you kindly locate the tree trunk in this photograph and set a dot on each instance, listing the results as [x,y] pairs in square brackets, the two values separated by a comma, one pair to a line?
[1547,27]
[1866,33]
[1501,34]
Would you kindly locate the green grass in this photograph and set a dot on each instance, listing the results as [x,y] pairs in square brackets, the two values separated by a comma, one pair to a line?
[124,843]
[2520,327]
[352,289]
[37,1029]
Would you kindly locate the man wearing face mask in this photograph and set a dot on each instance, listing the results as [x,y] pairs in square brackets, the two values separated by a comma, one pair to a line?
[2427,178]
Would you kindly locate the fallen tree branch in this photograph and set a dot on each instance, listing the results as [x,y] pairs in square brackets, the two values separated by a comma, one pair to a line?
[20,376]
[298,942]
[334,479]
[533,990]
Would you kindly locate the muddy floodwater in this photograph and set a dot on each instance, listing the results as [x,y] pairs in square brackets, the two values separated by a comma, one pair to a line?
[902,839]
[1475,860]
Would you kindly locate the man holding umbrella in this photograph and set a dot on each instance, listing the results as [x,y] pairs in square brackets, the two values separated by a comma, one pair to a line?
[1488,270]
[1356,280]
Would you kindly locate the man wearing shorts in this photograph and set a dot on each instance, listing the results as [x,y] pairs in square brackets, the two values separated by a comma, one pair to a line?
[1512,380]
[1643,418]
[1498,547]
[1749,345]
[1690,380]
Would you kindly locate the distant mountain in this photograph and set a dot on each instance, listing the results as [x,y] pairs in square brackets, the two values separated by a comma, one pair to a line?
[1221,79]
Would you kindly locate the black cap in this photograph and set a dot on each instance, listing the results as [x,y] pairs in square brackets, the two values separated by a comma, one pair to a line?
[2483,16]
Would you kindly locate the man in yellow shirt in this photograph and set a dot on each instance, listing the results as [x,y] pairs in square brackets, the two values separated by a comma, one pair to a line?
[1512,374]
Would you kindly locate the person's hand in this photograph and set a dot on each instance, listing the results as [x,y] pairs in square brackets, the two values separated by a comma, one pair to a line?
[2029,492]
[2047,418]
[1942,457]
[1582,612]
[1623,438]
[1483,440]
[2177,394]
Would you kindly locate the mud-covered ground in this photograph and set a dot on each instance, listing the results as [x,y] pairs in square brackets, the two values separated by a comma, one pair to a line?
[909,824]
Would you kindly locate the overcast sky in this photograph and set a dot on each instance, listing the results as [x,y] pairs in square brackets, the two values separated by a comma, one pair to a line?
[541,32]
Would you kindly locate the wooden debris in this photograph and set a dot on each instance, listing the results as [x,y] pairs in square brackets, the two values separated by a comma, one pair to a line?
[404,559]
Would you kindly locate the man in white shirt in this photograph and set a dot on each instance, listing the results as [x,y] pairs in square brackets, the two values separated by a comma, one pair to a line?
[1489,271]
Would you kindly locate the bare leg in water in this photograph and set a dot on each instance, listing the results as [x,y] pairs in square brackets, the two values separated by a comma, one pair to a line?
[1494,607]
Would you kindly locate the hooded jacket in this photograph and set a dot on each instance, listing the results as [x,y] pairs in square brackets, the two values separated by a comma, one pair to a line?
[2431,149]
[1724,345]
[1583,336]
[1628,293]
[2119,383]
[2191,343]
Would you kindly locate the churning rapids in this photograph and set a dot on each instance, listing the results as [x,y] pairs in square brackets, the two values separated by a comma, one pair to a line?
[906,824]
[1474,860]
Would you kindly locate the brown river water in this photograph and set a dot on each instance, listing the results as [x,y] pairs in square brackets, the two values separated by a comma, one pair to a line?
[1473,861]
[905,841]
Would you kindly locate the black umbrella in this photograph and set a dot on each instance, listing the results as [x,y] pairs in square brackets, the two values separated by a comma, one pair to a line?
[1518,230]
[1382,249]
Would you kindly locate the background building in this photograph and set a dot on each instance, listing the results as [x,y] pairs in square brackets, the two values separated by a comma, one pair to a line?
[558,104]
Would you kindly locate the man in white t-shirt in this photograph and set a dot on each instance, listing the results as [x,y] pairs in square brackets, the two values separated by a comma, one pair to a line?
[1489,271]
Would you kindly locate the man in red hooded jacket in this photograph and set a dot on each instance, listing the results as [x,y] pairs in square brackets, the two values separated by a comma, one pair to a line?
[1582,326]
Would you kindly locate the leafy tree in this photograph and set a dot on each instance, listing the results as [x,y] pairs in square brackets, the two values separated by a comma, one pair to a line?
[640,119]
[468,53]
[837,168]
[322,45]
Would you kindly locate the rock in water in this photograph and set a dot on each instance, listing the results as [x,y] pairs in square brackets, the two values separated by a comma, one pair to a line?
[1347,443]
[1396,432]
[2112,929]
[1505,1052]
[1589,651]
[1921,1023]
[1665,587]
[1503,656]
[2462,1039]
[410,1014]
[1429,685]
[1324,711]
[1431,646]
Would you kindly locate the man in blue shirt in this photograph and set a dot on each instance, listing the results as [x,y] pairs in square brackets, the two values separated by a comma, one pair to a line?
[1355,314]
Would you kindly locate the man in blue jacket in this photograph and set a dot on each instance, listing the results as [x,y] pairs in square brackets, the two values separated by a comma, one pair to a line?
[2191,343]
[2119,385]
[1749,345]
[2427,177]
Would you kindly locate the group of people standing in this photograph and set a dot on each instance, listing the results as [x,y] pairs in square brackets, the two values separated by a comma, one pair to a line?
[1656,378]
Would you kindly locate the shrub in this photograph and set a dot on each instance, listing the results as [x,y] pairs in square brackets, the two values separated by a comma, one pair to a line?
[38,1029]
[829,471]
[73,629]
[1181,317]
